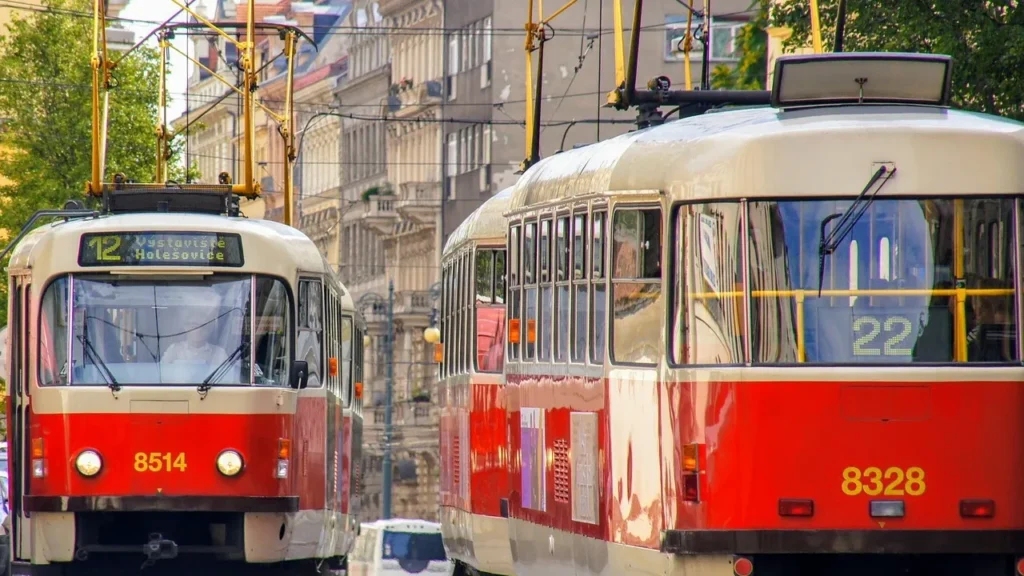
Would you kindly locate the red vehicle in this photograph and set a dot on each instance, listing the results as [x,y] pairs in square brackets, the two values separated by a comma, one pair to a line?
[184,388]
[773,340]
[474,448]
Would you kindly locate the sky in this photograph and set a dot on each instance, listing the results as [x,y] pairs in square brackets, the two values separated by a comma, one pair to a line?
[152,13]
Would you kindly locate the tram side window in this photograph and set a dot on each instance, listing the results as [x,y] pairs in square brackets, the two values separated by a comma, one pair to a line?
[562,283]
[490,311]
[346,360]
[598,313]
[580,288]
[530,290]
[53,334]
[544,323]
[358,357]
[707,287]
[514,298]
[273,333]
[636,285]
[310,336]
[888,289]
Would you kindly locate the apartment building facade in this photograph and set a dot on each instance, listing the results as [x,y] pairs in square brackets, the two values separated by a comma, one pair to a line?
[485,99]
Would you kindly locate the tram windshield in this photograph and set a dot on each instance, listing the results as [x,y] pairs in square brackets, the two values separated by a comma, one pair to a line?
[915,280]
[152,332]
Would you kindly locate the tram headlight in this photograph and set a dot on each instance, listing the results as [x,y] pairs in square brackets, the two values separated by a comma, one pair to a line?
[89,463]
[229,463]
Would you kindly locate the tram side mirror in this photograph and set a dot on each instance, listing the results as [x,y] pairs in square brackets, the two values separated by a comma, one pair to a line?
[299,377]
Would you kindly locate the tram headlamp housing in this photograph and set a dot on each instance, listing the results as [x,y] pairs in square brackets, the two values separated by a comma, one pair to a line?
[89,463]
[230,463]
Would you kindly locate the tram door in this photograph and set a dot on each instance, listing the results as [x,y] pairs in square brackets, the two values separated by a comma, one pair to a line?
[18,444]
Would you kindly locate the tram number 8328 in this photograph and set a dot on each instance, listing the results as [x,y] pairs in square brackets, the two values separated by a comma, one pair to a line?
[893,481]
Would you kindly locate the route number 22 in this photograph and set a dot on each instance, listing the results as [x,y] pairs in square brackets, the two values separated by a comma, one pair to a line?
[867,328]
[893,482]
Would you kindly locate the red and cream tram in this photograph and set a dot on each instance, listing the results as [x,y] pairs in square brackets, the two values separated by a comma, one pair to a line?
[778,340]
[184,386]
[474,446]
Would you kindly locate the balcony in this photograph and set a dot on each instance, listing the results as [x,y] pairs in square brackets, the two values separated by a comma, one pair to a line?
[414,308]
[379,214]
[416,97]
[392,7]
[420,202]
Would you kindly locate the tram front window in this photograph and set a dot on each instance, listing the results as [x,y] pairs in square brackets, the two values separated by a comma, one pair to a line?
[914,281]
[170,332]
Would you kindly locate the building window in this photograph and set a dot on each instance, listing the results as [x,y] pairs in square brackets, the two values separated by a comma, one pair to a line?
[723,38]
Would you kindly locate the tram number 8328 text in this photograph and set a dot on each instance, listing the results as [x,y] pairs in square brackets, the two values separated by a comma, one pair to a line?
[892,482]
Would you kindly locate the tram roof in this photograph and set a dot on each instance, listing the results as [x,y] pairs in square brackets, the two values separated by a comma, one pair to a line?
[269,247]
[768,152]
[487,222]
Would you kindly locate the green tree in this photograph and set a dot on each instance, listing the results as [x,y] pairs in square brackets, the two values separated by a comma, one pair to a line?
[985,39]
[752,44]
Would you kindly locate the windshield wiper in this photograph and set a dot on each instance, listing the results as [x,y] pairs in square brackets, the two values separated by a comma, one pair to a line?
[848,219]
[205,386]
[98,362]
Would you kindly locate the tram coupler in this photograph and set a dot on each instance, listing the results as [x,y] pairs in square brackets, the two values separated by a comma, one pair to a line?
[159,548]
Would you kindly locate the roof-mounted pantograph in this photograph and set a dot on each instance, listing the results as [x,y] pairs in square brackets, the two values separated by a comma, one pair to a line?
[120,195]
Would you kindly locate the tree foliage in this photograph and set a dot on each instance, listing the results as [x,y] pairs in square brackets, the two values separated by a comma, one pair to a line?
[985,39]
[752,43]
[45,103]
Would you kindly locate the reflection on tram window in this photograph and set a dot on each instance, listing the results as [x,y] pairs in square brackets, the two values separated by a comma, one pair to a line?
[708,305]
[636,286]
[164,332]
[887,292]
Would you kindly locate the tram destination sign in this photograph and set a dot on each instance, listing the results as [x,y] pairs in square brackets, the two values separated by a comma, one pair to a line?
[160,249]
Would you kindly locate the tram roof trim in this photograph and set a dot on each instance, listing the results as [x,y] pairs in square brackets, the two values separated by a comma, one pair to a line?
[862,78]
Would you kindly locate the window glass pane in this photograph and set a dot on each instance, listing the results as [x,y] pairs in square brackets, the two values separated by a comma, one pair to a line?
[708,302]
[530,254]
[562,249]
[544,321]
[579,245]
[53,336]
[513,242]
[346,359]
[579,345]
[309,340]
[597,311]
[545,250]
[597,241]
[637,305]
[273,318]
[484,276]
[637,241]
[499,276]
[562,324]
[490,338]
[169,332]
[905,248]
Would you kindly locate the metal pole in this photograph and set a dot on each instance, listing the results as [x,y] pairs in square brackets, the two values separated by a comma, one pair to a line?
[388,392]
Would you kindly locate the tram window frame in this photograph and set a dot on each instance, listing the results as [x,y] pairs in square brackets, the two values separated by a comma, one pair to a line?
[514,295]
[460,335]
[304,322]
[442,369]
[658,281]
[530,286]
[563,286]
[599,283]
[488,300]
[545,294]
[579,237]
[347,368]
[467,321]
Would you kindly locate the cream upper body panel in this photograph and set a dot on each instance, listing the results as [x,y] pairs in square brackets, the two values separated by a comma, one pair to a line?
[765,152]
[485,225]
[267,247]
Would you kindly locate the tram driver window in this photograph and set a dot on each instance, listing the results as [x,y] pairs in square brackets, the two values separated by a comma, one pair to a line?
[174,332]
[636,285]
[889,289]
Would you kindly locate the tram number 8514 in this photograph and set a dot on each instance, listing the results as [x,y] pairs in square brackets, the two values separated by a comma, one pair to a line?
[159,462]
[893,482]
